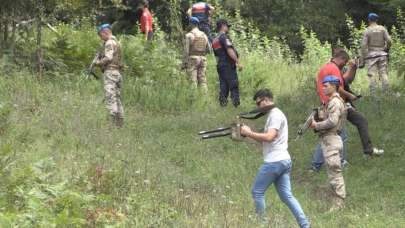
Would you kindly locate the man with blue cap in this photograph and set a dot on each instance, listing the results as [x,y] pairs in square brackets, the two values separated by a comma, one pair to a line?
[374,52]
[328,124]
[194,60]
[110,62]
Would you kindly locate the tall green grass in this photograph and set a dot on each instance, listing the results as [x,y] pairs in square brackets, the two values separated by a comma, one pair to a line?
[63,164]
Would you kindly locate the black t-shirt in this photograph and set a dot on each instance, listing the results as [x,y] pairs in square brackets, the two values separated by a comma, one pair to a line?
[220,44]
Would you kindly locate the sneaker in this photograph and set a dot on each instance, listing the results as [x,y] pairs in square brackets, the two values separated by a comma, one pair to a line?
[377,151]
[314,169]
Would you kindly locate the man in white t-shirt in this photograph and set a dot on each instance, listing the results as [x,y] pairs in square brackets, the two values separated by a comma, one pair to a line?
[277,162]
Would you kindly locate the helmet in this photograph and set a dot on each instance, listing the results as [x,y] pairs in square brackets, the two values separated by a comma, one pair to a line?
[194,20]
[372,17]
[332,79]
[103,26]
[221,22]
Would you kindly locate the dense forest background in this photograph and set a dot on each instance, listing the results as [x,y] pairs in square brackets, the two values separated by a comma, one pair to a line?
[281,18]
[62,163]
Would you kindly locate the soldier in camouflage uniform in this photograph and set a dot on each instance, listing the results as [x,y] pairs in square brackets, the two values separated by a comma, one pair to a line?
[374,51]
[111,62]
[196,44]
[328,125]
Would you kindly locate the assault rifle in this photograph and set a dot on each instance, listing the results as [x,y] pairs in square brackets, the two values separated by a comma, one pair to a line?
[91,68]
[304,127]
[234,129]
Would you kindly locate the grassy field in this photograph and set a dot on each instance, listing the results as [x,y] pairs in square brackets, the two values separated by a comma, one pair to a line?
[64,165]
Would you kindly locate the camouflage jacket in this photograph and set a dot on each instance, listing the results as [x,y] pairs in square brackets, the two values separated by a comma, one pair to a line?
[332,116]
[111,56]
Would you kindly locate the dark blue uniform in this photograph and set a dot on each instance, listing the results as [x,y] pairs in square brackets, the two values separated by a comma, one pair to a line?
[226,67]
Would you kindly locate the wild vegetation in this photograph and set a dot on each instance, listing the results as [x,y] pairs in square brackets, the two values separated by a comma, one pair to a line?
[64,165]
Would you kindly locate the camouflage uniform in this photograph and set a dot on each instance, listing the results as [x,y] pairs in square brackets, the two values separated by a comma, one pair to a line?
[376,42]
[196,44]
[111,63]
[332,118]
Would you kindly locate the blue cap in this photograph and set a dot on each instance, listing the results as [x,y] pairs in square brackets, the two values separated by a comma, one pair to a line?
[194,20]
[372,17]
[332,79]
[102,27]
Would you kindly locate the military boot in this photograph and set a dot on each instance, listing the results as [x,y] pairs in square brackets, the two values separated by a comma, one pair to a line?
[119,120]
[337,204]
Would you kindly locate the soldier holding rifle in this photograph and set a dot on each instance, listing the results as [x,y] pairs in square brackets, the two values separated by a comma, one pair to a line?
[375,48]
[110,62]
[329,123]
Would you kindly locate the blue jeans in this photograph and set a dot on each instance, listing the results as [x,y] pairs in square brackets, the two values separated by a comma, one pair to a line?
[279,174]
[318,158]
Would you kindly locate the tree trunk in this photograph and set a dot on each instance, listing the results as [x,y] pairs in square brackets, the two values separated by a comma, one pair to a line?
[39,47]
[12,38]
[5,34]
[1,41]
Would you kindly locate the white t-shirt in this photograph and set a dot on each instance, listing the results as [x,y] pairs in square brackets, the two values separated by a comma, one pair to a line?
[276,150]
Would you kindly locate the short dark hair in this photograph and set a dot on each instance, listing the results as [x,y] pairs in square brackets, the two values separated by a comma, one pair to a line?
[336,50]
[263,93]
[145,3]
[341,54]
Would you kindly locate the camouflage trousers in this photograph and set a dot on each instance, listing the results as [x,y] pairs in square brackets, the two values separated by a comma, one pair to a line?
[112,89]
[378,71]
[331,146]
[196,68]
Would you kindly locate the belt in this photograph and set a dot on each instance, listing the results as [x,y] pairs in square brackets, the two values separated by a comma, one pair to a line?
[197,54]
[329,133]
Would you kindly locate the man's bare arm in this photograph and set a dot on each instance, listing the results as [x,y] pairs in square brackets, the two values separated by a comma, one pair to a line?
[346,95]
[211,10]
[231,52]
[350,74]
[268,136]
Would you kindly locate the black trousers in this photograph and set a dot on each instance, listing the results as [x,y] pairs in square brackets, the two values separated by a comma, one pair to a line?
[206,28]
[360,122]
[228,83]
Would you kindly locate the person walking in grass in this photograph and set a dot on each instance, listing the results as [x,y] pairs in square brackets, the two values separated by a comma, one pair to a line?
[277,161]
[146,20]
[375,48]
[194,60]
[111,64]
[353,115]
[333,67]
[330,122]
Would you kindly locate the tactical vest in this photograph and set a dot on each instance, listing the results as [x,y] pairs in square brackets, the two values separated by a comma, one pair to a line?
[200,11]
[116,63]
[376,41]
[199,44]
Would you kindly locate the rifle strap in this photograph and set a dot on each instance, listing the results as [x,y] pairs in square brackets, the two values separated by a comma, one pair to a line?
[256,113]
